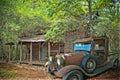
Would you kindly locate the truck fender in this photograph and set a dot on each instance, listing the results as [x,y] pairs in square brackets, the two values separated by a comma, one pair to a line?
[115,63]
[86,62]
[66,69]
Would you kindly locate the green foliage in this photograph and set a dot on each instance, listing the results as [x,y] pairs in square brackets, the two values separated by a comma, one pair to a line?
[5,74]
[32,26]
[109,22]
[64,15]
[9,29]
[26,18]
[17,21]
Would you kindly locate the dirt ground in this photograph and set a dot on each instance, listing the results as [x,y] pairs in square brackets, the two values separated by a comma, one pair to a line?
[28,72]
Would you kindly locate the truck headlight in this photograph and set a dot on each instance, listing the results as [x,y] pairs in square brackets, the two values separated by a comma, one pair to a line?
[60,61]
[51,58]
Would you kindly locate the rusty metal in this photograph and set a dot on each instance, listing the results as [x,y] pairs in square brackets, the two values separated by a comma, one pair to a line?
[73,61]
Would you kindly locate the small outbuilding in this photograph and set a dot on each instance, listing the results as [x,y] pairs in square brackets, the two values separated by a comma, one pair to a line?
[38,49]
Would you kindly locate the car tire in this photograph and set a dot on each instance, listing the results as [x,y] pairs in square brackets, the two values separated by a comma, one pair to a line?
[89,64]
[49,70]
[115,64]
[73,75]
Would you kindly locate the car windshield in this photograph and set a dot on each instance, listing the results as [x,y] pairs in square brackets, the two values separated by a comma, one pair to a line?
[82,46]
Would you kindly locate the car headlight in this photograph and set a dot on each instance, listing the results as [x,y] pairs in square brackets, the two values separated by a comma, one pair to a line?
[51,58]
[60,61]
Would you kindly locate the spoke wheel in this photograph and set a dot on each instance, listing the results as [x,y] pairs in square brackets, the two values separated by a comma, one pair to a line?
[89,64]
[73,75]
[115,64]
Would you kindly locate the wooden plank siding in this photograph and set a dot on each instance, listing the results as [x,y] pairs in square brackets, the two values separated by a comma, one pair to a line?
[30,49]
[70,37]
[37,49]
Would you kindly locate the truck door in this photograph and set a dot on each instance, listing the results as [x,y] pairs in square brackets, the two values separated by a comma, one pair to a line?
[100,50]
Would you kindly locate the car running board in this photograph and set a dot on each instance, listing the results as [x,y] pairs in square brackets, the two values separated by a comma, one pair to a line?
[99,70]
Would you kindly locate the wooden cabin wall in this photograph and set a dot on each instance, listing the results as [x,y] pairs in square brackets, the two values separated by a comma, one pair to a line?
[24,52]
[70,37]
[54,47]
[35,51]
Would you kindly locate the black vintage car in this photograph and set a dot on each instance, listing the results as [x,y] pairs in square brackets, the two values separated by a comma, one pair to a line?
[90,58]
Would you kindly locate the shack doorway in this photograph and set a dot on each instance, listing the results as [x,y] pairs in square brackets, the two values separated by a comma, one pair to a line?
[43,52]
[35,52]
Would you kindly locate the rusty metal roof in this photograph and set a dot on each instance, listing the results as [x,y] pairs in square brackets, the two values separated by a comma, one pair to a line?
[84,40]
[89,39]
[39,38]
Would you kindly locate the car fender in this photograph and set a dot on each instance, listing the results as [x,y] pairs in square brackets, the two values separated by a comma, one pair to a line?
[66,69]
[113,61]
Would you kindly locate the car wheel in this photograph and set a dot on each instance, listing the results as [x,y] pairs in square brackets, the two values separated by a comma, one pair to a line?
[49,70]
[73,75]
[89,64]
[115,64]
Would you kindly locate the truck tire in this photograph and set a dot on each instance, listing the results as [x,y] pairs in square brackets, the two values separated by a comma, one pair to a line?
[50,71]
[115,64]
[73,75]
[89,64]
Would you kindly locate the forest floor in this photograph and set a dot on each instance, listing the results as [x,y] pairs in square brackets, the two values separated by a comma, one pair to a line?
[28,72]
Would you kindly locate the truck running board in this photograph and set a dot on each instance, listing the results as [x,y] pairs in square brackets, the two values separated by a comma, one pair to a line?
[99,70]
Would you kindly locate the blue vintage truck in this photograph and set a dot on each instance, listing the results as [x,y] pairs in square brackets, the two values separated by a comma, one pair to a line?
[90,58]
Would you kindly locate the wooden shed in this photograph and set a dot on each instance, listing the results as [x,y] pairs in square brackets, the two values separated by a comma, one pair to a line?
[38,49]
[70,37]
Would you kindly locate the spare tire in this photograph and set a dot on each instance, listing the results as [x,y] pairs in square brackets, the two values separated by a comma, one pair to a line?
[89,64]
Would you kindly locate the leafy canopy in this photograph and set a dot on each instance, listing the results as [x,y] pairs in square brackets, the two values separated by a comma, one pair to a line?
[57,16]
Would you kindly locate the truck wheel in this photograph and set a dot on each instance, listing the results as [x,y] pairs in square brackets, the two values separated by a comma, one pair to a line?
[115,64]
[89,64]
[73,75]
[49,70]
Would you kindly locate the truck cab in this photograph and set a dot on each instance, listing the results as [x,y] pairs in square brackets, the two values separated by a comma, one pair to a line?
[90,58]
[97,47]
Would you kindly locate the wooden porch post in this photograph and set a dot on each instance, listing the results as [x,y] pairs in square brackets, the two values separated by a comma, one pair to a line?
[30,53]
[20,51]
[48,48]
[39,50]
[9,53]
[59,48]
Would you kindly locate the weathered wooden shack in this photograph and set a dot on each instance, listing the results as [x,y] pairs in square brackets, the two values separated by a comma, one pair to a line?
[70,37]
[37,49]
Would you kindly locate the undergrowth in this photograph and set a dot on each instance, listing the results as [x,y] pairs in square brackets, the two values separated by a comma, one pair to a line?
[7,73]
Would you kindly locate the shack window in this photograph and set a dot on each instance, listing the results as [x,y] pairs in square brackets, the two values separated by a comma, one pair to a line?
[61,48]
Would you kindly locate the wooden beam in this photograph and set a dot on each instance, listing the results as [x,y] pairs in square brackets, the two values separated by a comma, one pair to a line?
[48,48]
[20,51]
[58,48]
[9,53]
[30,53]
[39,50]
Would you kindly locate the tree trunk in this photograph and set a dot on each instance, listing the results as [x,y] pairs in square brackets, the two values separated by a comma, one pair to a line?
[90,30]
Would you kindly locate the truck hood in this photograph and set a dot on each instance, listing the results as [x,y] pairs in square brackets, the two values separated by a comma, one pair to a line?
[77,53]
[73,58]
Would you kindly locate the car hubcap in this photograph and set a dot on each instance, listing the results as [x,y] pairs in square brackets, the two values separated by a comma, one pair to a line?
[115,64]
[90,64]
[75,77]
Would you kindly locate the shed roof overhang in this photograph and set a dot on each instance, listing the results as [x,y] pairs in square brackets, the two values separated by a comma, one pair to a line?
[84,40]
[39,38]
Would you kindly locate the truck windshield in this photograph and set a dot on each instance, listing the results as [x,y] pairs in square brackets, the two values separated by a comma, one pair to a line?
[82,46]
